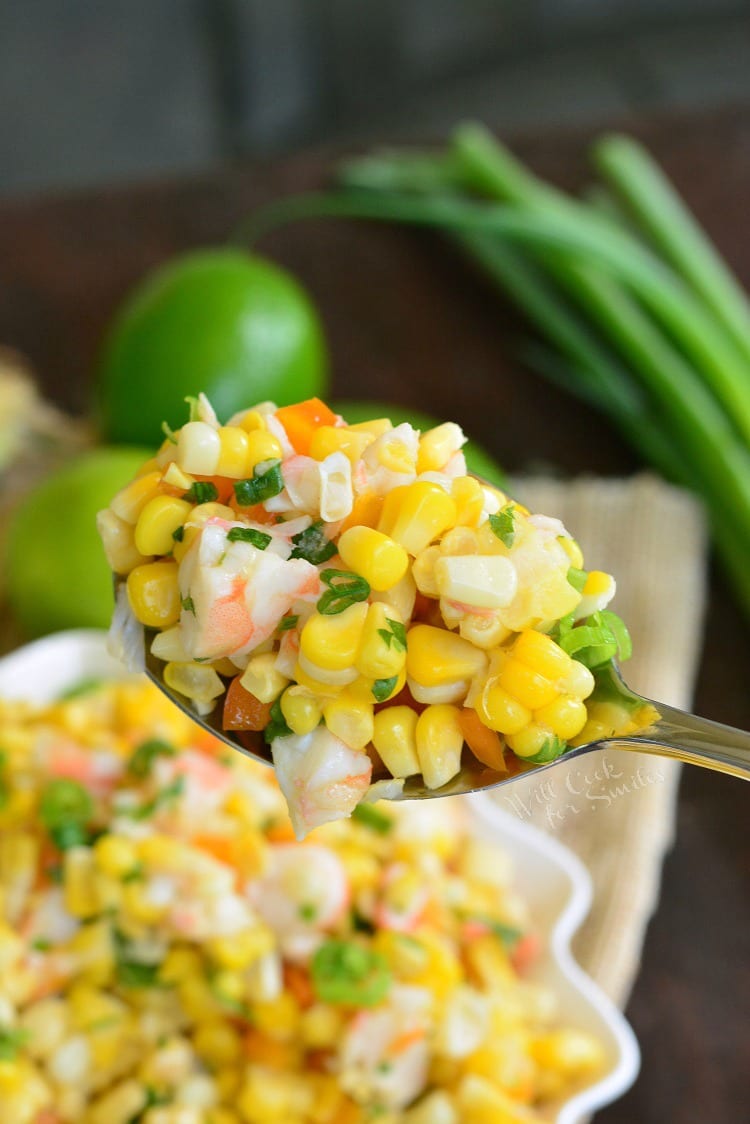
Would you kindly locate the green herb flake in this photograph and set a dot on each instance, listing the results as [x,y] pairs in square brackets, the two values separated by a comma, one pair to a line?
[395,634]
[188,604]
[308,911]
[503,525]
[136,873]
[79,688]
[345,588]
[369,815]
[12,1041]
[201,491]
[277,727]
[41,944]
[144,755]
[164,796]
[288,623]
[382,689]
[313,545]
[130,971]
[261,487]
[257,539]
[179,533]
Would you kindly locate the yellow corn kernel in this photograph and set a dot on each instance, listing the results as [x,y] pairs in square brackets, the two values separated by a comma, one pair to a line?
[438,445]
[79,885]
[423,571]
[598,584]
[195,681]
[529,741]
[572,1052]
[241,949]
[115,855]
[327,439]
[565,717]
[233,447]
[380,560]
[130,500]
[159,518]
[331,642]
[93,952]
[154,594]
[261,446]
[416,514]
[176,478]
[529,687]
[218,1114]
[278,1018]
[469,499]
[262,679]
[579,681]
[138,906]
[573,551]
[198,448]
[123,1102]
[376,427]
[302,709]
[435,656]
[542,654]
[500,711]
[365,512]
[350,720]
[483,630]
[480,1101]
[217,1043]
[484,581]
[442,971]
[251,420]
[180,964]
[118,540]
[382,648]
[324,684]
[197,999]
[459,540]
[439,743]
[320,1026]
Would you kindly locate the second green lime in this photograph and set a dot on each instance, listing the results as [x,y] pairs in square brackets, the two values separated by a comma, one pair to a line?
[221,321]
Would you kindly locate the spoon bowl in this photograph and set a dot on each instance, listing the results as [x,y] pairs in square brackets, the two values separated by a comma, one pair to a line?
[664,731]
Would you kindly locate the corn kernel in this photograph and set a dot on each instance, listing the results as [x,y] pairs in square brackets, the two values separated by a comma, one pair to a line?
[565,717]
[331,642]
[250,421]
[261,446]
[195,681]
[278,1018]
[320,1026]
[115,855]
[349,720]
[302,709]
[439,743]
[118,540]
[382,649]
[573,1052]
[380,560]
[500,711]
[376,427]
[436,657]
[241,949]
[176,478]
[328,439]
[78,882]
[262,679]
[483,630]
[468,496]
[416,514]
[400,596]
[529,741]
[217,1043]
[542,654]
[530,688]
[198,448]
[159,518]
[423,571]
[438,445]
[154,594]
[180,964]
[130,500]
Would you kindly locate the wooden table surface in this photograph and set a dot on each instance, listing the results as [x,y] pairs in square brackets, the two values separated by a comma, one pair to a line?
[409,322]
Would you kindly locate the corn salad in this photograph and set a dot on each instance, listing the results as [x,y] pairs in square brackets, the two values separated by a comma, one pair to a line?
[353,593]
[170,955]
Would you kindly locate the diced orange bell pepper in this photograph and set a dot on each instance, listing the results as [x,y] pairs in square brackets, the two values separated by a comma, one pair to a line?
[301,420]
[243,711]
[483,742]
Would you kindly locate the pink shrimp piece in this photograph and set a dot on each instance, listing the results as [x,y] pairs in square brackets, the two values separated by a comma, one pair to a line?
[320,776]
[384,1054]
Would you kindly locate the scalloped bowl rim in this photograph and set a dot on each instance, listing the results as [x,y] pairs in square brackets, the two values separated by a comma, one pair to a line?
[554,880]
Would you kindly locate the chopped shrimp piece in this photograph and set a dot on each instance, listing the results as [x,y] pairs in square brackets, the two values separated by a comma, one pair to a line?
[320,776]
[303,892]
[384,1053]
[234,594]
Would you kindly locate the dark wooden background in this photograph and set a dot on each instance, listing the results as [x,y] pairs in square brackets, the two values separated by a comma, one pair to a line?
[408,321]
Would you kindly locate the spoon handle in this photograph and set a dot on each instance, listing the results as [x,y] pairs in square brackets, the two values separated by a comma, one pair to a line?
[698,741]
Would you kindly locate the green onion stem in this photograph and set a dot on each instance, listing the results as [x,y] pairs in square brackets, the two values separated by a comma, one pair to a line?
[629,169]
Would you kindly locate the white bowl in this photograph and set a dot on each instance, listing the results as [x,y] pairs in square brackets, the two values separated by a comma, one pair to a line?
[554,882]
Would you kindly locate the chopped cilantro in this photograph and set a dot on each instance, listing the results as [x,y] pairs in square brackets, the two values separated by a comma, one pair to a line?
[382,689]
[179,533]
[277,727]
[503,525]
[395,634]
[187,604]
[288,623]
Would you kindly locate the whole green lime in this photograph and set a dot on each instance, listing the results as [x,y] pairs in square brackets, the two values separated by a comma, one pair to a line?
[57,575]
[224,322]
[478,460]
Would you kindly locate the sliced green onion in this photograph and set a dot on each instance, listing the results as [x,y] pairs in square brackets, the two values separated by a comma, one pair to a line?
[345,973]
[144,755]
[369,815]
[257,539]
[201,491]
[313,545]
[345,588]
[262,486]
[65,802]
[619,630]
[577,578]
[12,1041]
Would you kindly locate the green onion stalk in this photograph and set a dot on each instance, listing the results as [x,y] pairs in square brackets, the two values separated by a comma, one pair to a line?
[634,311]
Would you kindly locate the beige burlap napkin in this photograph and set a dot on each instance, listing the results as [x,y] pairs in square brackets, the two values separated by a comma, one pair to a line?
[617,810]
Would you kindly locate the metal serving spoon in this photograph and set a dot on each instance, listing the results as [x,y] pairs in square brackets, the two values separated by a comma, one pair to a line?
[667,732]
